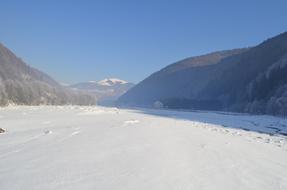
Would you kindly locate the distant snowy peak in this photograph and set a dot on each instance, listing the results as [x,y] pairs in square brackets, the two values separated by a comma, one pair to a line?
[111,82]
[108,89]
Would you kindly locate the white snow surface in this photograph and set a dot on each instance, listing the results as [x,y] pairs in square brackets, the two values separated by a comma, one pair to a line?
[111,82]
[74,147]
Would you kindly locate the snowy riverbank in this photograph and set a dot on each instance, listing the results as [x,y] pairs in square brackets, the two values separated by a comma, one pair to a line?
[74,147]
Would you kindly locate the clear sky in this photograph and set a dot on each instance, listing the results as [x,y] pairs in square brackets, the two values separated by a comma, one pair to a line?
[82,40]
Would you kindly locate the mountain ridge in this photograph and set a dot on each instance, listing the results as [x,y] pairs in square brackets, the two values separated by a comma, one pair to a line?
[235,82]
[23,84]
[106,90]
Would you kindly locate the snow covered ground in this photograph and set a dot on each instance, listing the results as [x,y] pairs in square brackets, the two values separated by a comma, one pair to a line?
[73,147]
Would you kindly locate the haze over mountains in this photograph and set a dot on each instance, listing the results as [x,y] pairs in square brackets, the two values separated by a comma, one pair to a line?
[106,91]
[246,80]
[22,84]
[252,80]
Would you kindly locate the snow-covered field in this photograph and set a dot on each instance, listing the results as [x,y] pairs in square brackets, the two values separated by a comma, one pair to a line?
[73,147]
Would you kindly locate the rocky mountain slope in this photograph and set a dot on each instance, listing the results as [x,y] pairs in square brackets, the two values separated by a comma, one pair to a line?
[246,80]
[22,84]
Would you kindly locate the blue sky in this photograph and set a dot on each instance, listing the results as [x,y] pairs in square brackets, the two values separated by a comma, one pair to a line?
[75,41]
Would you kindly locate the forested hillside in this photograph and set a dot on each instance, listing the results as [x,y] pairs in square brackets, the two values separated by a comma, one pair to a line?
[22,84]
[244,80]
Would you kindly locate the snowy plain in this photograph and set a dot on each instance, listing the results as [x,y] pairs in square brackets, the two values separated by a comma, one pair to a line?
[82,147]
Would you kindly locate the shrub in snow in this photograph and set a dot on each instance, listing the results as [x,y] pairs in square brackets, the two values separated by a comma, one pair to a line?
[2,130]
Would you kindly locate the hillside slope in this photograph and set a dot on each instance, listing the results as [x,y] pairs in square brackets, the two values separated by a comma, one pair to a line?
[183,79]
[246,80]
[22,84]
